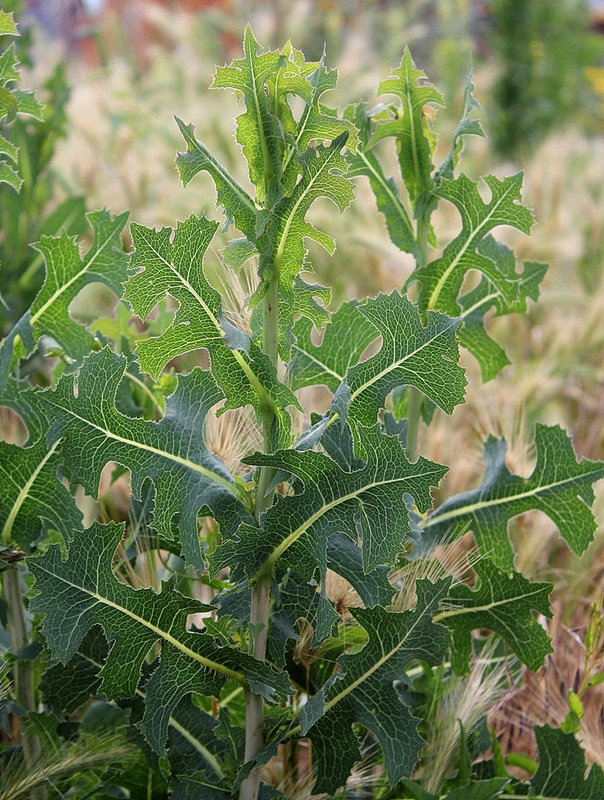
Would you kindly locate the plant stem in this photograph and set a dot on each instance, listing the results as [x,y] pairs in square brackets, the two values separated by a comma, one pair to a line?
[23,676]
[414,411]
[261,591]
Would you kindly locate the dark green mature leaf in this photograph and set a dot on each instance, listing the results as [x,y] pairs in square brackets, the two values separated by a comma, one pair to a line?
[415,142]
[237,203]
[502,603]
[485,296]
[65,687]
[561,773]
[82,591]
[259,132]
[364,690]
[559,486]
[364,163]
[171,262]
[366,504]
[192,742]
[345,339]
[424,357]
[440,281]
[346,558]
[67,272]
[171,452]
[32,498]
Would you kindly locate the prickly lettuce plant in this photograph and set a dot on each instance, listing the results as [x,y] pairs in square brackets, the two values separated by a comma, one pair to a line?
[273,664]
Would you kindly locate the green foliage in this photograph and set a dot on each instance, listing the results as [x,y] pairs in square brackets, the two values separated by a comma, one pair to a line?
[542,52]
[209,691]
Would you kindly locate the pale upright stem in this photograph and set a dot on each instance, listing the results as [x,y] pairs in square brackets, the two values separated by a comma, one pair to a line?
[24,690]
[260,602]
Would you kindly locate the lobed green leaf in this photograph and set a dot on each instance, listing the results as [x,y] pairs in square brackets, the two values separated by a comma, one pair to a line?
[364,691]
[559,486]
[76,594]
[501,603]
[440,281]
[170,453]
[67,273]
[366,504]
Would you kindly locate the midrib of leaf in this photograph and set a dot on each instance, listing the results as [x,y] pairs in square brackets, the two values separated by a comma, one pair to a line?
[469,509]
[289,540]
[455,612]
[471,236]
[394,366]
[254,382]
[24,492]
[488,298]
[207,473]
[292,214]
[318,362]
[68,283]
[206,662]
[263,142]
[186,284]
[348,689]
[302,124]
[409,109]
[211,759]
[145,388]
[384,184]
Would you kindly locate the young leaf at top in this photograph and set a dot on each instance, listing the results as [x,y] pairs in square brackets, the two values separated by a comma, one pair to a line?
[561,772]
[82,591]
[414,140]
[67,272]
[440,281]
[485,296]
[282,249]
[259,132]
[309,81]
[12,101]
[559,486]
[171,453]
[468,125]
[389,203]
[501,603]
[365,504]
[171,263]
[424,357]
[363,690]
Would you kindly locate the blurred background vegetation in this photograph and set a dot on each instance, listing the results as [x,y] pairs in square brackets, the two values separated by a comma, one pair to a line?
[114,74]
